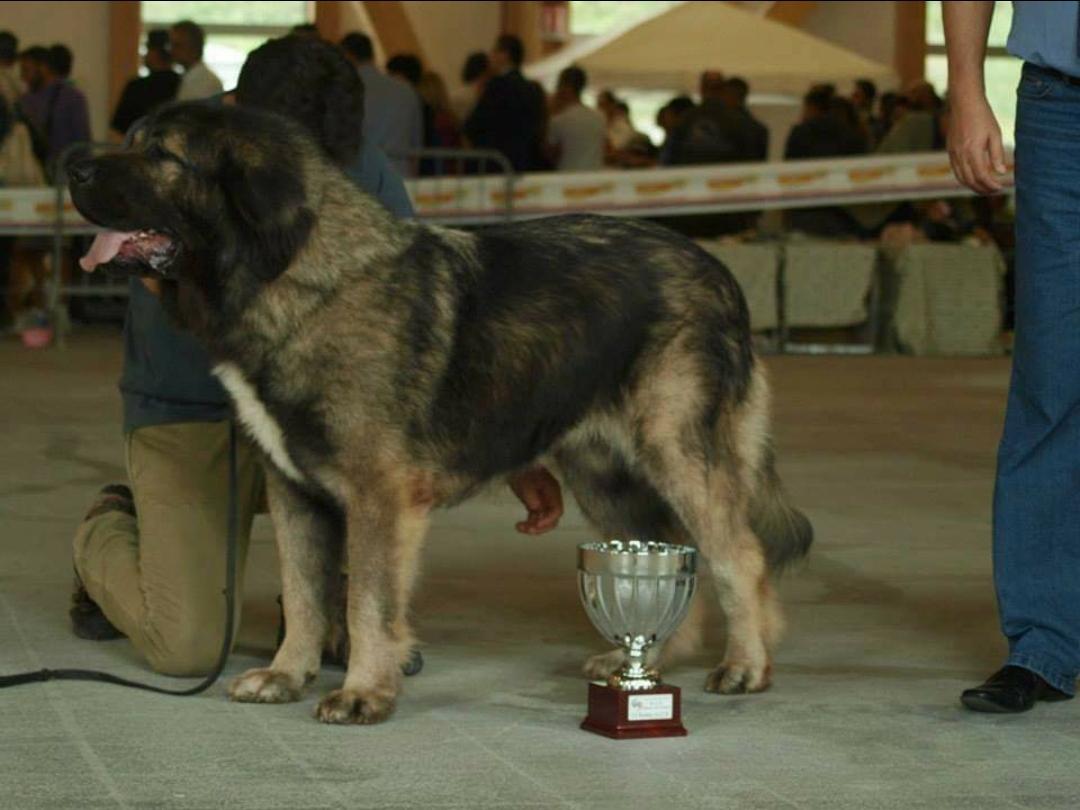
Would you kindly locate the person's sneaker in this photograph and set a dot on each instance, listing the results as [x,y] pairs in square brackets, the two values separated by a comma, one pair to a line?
[112,498]
[87,619]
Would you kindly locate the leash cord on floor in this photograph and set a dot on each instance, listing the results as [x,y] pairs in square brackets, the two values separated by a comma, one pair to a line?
[42,675]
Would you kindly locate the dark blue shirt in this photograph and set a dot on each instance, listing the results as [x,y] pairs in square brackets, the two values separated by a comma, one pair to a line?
[166,376]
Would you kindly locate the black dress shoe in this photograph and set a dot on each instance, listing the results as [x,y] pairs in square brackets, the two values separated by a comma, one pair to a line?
[1010,690]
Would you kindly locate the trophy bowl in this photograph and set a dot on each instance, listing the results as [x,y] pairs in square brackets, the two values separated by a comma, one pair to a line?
[636,593]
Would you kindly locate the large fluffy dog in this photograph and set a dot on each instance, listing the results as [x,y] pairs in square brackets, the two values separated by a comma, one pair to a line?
[387,368]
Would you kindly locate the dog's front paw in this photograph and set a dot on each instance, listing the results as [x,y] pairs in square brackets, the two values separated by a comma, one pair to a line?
[264,686]
[345,706]
[737,678]
[601,667]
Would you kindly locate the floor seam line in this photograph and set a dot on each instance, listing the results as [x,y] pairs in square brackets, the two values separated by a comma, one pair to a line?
[81,743]
[515,768]
[336,798]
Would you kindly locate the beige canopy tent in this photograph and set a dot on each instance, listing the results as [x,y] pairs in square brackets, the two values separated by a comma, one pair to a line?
[669,52]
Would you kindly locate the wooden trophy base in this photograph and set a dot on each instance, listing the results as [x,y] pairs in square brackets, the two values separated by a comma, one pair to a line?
[633,715]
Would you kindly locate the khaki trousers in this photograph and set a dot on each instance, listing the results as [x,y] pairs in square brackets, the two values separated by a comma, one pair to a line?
[160,577]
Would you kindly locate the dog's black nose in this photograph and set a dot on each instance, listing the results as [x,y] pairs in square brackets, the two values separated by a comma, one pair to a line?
[81,171]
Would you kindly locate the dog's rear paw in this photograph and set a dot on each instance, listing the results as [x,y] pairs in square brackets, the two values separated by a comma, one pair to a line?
[734,678]
[601,667]
[264,686]
[345,706]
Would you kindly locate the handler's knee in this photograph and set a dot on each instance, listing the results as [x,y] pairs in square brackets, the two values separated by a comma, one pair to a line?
[191,652]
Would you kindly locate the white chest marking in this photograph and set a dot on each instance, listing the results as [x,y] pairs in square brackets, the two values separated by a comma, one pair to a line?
[263,427]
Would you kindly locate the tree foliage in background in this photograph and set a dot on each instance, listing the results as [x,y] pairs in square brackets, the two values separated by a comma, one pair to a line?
[594,17]
[287,12]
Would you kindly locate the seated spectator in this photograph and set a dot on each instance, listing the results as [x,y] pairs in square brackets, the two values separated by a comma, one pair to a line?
[735,93]
[11,88]
[145,93]
[55,110]
[186,41]
[393,120]
[510,115]
[917,128]
[715,133]
[825,129]
[669,118]
[638,149]
[890,108]
[576,134]
[862,97]
[829,128]
[845,114]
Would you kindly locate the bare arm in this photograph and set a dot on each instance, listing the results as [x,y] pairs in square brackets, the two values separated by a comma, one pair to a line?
[975,146]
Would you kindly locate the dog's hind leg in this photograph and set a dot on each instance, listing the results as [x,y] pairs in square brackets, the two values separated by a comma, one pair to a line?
[620,503]
[309,542]
[386,522]
[704,462]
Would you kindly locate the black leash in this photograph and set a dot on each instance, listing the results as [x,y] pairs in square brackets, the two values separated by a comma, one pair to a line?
[42,675]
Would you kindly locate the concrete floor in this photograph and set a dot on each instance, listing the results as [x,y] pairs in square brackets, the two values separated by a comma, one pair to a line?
[890,618]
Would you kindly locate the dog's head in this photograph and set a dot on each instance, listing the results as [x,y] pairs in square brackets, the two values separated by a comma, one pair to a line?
[203,194]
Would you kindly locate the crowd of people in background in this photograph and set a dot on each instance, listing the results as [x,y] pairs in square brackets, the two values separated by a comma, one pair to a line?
[407,107]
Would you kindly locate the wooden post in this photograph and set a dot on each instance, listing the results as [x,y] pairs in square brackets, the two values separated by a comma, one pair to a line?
[522,19]
[329,20]
[125,24]
[393,27]
[909,51]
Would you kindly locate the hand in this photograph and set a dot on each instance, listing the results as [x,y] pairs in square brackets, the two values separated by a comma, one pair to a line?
[975,147]
[538,490]
[151,284]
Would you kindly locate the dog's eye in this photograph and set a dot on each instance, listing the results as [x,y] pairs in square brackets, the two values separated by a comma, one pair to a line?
[155,152]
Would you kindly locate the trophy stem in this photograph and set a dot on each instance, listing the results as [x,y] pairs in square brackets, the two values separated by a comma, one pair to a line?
[634,676]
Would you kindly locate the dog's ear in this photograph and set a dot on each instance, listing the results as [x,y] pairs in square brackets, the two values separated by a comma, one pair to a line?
[267,203]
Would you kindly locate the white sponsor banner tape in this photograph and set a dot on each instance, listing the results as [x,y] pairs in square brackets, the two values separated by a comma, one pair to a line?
[650,192]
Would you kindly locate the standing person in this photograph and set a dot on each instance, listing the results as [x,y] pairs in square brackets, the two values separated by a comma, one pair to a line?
[144,93]
[187,41]
[474,75]
[509,117]
[713,132]
[1036,497]
[445,130]
[56,110]
[577,134]
[393,119]
[11,88]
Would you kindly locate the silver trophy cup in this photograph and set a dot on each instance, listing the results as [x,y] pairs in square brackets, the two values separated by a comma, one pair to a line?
[636,593]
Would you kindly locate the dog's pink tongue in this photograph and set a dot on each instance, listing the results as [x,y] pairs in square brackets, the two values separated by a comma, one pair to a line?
[106,246]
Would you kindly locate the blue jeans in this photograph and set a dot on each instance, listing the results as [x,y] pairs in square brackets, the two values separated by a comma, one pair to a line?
[1037,495]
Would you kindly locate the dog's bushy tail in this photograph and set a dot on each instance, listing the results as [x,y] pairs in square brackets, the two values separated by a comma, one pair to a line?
[784,531]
